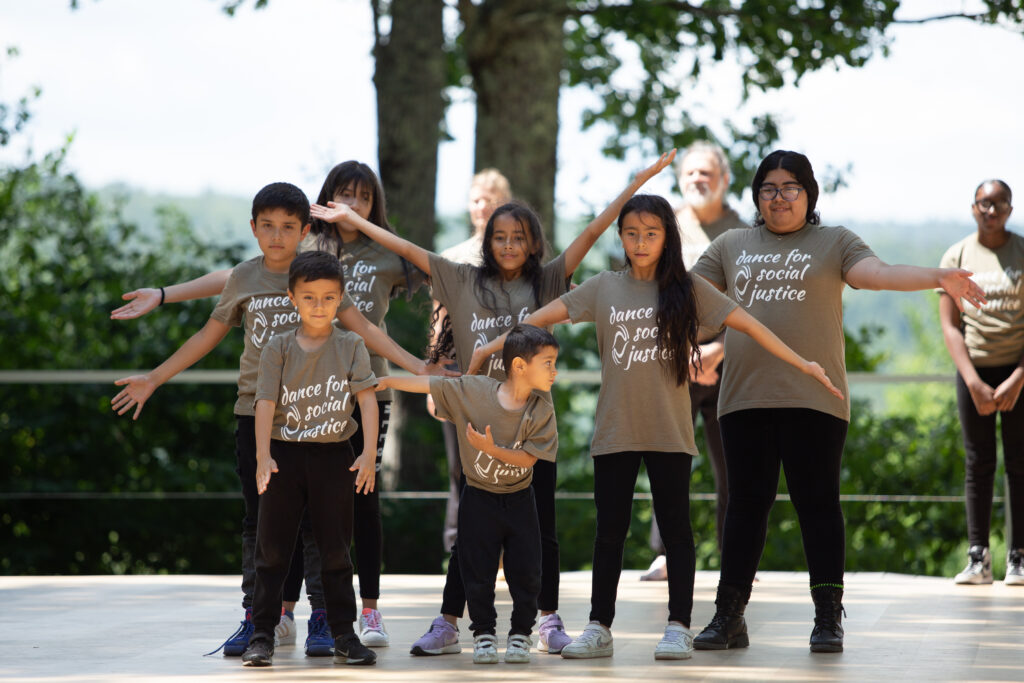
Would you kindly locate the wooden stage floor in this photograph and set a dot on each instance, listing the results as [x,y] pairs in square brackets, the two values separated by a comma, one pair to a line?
[156,628]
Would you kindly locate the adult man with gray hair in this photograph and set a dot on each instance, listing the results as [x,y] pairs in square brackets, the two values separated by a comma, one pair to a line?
[703,172]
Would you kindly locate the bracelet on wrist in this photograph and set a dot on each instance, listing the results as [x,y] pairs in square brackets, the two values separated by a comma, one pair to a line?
[162,296]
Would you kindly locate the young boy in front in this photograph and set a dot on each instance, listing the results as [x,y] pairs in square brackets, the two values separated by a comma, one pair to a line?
[309,380]
[503,427]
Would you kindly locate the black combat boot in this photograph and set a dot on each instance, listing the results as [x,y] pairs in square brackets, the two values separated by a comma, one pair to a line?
[827,635]
[727,628]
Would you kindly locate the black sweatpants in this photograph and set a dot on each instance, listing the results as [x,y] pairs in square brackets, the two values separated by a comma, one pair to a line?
[808,445]
[313,477]
[614,483]
[980,465]
[490,523]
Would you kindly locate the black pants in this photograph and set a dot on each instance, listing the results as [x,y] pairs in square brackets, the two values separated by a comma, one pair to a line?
[316,478]
[614,483]
[367,535]
[545,476]
[704,400]
[245,466]
[980,465]
[490,523]
[455,484]
[808,444]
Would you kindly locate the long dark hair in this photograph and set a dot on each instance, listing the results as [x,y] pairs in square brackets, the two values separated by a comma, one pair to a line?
[490,272]
[797,164]
[677,305]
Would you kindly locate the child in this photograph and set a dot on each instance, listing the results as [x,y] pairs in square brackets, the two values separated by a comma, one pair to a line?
[482,302]
[514,427]
[647,320]
[255,296]
[307,379]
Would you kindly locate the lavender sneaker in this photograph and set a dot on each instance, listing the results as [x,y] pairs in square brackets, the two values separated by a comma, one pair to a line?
[552,634]
[441,639]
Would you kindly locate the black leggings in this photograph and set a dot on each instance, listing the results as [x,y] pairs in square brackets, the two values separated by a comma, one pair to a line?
[808,444]
[367,531]
[614,482]
[980,465]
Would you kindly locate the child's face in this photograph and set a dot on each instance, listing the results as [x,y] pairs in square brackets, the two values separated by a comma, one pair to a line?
[317,301]
[278,233]
[643,239]
[510,244]
[357,197]
[540,370]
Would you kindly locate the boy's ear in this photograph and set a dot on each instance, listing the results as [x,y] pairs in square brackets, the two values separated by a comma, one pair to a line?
[305,230]
[291,297]
[252,224]
[518,363]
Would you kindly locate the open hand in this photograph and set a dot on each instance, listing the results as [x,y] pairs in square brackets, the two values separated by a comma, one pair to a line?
[958,284]
[818,373]
[365,467]
[658,166]
[482,442]
[264,468]
[137,389]
[334,212]
[140,302]
[1007,393]
[438,369]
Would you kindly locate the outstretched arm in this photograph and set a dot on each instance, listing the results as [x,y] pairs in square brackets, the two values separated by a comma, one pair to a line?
[138,388]
[873,273]
[575,252]
[743,322]
[142,301]
[383,345]
[411,385]
[341,213]
[553,313]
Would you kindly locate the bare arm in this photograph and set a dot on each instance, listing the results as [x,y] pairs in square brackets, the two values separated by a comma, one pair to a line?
[383,345]
[335,213]
[138,388]
[873,273]
[142,301]
[412,385]
[742,321]
[485,442]
[552,313]
[982,394]
[366,464]
[265,465]
[575,252]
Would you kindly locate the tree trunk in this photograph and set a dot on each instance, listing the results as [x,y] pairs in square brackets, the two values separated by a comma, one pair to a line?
[410,79]
[515,52]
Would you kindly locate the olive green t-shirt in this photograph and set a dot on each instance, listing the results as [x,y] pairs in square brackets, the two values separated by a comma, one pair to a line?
[473,399]
[994,334]
[473,323]
[314,391]
[257,300]
[373,276]
[640,407]
[793,284]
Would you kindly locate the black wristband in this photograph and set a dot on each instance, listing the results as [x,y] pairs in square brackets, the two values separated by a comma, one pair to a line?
[161,297]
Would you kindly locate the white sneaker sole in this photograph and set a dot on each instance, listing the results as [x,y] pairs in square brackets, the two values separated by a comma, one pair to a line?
[974,580]
[453,649]
[374,639]
[489,658]
[517,658]
[1014,581]
[587,654]
[667,654]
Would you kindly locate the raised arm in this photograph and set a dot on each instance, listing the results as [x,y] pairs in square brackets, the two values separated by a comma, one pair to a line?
[743,322]
[142,301]
[575,252]
[138,388]
[342,213]
[873,273]
[553,313]
[383,345]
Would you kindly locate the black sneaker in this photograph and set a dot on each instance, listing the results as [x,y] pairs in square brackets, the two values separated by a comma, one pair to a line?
[348,650]
[260,652]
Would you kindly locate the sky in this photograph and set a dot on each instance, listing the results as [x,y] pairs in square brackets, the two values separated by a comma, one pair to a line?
[176,97]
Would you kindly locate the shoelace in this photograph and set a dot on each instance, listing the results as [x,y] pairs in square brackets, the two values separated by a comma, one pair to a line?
[373,620]
[319,626]
[590,636]
[676,637]
[246,625]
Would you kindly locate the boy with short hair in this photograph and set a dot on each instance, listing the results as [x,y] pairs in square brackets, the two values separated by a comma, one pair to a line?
[309,381]
[514,427]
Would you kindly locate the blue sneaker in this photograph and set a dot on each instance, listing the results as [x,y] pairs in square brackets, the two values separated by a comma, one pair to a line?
[236,643]
[319,641]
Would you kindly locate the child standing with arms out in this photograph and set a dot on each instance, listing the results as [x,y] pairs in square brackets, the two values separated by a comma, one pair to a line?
[309,381]
[647,321]
[504,428]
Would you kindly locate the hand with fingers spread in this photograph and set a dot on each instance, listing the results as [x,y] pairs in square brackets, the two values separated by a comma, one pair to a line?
[140,302]
[365,467]
[137,390]
[334,212]
[663,162]
[958,284]
[482,442]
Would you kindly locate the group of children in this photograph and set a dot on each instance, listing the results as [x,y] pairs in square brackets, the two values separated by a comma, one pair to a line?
[310,426]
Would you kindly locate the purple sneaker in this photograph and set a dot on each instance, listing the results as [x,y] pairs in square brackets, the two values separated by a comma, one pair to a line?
[441,639]
[552,634]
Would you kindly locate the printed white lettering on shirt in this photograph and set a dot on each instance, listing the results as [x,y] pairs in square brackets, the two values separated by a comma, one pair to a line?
[749,288]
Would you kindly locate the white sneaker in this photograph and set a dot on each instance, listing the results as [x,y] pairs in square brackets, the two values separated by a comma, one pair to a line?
[979,567]
[485,649]
[284,632]
[517,651]
[677,643]
[371,629]
[595,641]
[1015,567]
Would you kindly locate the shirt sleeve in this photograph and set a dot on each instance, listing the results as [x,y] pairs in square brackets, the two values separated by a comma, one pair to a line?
[709,265]
[582,301]
[541,439]
[346,302]
[447,279]
[441,390]
[268,382]
[853,250]
[554,280]
[360,374]
[713,307]
[227,310]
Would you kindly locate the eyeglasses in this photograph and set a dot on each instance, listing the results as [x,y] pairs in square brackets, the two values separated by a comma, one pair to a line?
[789,192]
[986,205]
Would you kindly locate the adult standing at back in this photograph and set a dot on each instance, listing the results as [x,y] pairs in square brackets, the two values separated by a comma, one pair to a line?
[987,346]
[704,177]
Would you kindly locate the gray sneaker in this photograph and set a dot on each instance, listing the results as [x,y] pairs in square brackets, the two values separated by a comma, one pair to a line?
[979,567]
[595,641]
[485,649]
[1015,567]
[677,643]
[517,651]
